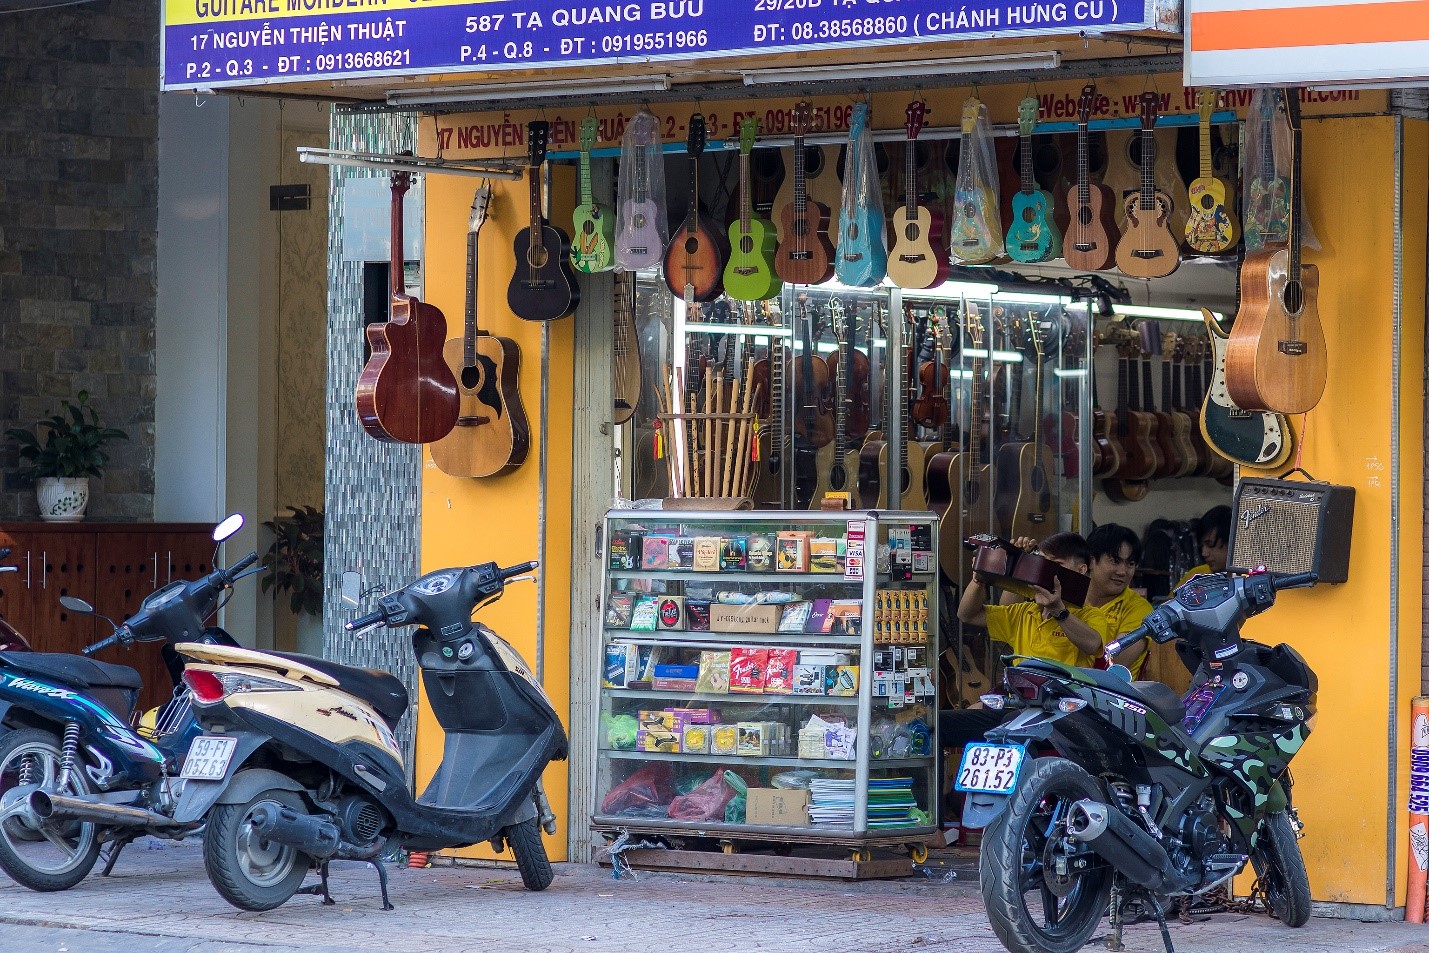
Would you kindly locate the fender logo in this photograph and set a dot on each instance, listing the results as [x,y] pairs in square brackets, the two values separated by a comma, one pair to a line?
[1250,516]
[337,711]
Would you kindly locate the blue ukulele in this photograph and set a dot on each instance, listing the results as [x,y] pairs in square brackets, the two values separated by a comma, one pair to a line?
[862,258]
[1031,236]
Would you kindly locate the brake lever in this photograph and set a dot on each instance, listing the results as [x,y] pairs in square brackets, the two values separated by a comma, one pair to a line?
[520,579]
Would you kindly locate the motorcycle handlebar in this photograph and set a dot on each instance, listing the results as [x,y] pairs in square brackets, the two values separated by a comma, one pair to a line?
[1296,580]
[104,643]
[362,622]
[518,570]
[1116,646]
[241,565]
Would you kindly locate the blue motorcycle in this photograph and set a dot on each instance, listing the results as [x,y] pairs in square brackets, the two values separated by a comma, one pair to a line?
[75,775]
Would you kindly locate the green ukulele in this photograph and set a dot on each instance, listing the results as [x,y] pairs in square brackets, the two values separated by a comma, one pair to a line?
[750,275]
[595,223]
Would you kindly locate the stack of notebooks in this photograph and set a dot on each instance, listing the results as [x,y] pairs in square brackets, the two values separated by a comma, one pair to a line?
[889,802]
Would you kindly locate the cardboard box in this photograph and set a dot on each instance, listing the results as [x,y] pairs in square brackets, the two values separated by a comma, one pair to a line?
[626,550]
[746,618]
[777,807]
[622,665]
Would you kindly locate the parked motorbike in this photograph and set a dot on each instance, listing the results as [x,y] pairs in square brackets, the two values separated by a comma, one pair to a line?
[74,774]
[301,766]
[10,638]
[1148,797]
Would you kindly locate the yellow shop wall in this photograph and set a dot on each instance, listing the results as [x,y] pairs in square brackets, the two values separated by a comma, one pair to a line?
[466,521]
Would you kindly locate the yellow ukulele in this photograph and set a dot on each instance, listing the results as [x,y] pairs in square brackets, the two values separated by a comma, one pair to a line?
[1212,226]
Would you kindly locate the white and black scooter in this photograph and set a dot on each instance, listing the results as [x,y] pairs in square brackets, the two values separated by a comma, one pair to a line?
[301,765]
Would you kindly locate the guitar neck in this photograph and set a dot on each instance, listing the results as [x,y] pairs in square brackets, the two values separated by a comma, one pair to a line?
[642,187]
[800,195]
[399,283]
[1296,219]
[1148,171]
[910,176]
[1028,183]
[1206,168]
[747,198]
[469,339]
[1084,184]
[534,176]
[692,220]
[587,195]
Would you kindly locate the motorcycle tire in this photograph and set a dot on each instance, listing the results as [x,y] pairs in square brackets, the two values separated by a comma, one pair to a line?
[1281,869]
[250,873]
[1011,865]
[530,850]
[22,847]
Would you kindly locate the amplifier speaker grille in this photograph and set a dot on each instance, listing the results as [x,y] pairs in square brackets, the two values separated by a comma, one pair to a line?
[1292,527]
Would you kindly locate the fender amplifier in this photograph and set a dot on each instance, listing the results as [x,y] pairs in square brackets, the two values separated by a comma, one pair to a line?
[1290,526]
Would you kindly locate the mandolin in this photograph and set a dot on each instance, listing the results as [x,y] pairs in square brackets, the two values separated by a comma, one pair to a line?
[695,257]
[804,256]
[1175,457]
[861,260]
[1211,226]
[749,274]
[834,474]
[919,258]
[639,241]
[1147,248]
[1267,209]
[1088,245]
[877,467]
[1275,358]
[543,287]
[976,236]
[1034,512]
[491,435]
[1032,236]
[1252,438]
[406,392]
[625,348]
[594,223]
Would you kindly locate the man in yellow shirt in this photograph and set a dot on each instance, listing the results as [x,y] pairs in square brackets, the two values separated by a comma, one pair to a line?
[1213,532]
[1116,552]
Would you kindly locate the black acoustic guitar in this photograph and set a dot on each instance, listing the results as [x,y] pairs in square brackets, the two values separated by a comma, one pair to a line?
[544,286]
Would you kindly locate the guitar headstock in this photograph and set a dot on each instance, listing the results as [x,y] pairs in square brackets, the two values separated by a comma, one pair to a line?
[480,202]
[1034,333]
[1150,104]
[401,182]
[748,132]
[972,109]
[1150,334]
[1027,116]
[1206,103]
[858,121]
[589,127]
[914,118]
[538,132]
[695,141]
[836,318]
[972,323]
[1171,346]
[1087,102]
[803,118]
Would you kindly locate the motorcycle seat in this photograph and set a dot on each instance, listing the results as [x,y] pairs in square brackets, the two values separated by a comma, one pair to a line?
[73,670]
[382,690]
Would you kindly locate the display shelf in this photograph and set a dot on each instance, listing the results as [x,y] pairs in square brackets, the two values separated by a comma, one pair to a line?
[734,697]
[723,640]
[730,760]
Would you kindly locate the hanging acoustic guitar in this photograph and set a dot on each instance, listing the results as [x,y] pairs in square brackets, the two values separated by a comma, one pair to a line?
[919,258]
[749,275]
[804,256]
[594,222]
[1147,248]
[1032,236]
[543,286]
[1253,438]
[1088,245]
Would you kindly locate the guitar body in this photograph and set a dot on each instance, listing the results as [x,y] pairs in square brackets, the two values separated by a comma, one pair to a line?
[861,260]
[638,244]
[695,258]
[625,348]
[1148,249]
[835,475]
[1024,505]
[1068,448]
[1211,225]
[805,256]
[544,286]
[1252,438]
[1276,360]
[1110,456]
[1140,456]
[1176,445]
[1267,213]
[873,475]
[592,246]
[1167,451]
[918,259]
[823,183]
[1089,244]
[750,275]
[972,239]
[406,392]
[491,436]
[1032,236]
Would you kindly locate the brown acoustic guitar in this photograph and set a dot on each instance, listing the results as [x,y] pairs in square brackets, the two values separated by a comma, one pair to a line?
[695,257]
[805,255]
[1089,243]
[1147,248]
[879,469]
[407,392]
[1275,358]
[1176,456]
[491,435]
[1034,512]
[1133,431]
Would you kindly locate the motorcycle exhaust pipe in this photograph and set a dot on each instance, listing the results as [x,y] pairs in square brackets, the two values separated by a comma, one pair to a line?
[313,836]
[42,807]
[1124,844]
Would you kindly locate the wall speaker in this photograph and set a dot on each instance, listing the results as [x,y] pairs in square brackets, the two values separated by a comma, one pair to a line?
[1290,526]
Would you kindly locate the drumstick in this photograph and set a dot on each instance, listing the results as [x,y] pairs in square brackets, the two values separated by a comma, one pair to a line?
[709,445]
[731,436]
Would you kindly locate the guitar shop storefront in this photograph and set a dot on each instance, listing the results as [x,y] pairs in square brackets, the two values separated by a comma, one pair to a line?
[989,360]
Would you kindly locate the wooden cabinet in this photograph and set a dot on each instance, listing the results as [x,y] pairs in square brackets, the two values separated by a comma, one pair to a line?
[109,565]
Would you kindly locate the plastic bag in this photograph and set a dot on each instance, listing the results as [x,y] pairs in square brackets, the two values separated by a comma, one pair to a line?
[620,731]
[645,793]
[705,803]
[641,227]
[862,257]
[976,236]
[1268,155]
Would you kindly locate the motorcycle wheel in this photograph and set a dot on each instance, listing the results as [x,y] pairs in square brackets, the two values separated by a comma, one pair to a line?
[247,871]
[1029,912]
[530,851]
[1281,869]
[51,857]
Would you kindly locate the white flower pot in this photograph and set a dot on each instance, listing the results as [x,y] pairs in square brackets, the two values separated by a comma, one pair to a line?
[62,499]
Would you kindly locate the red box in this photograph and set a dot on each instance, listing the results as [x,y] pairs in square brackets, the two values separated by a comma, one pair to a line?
[746,669]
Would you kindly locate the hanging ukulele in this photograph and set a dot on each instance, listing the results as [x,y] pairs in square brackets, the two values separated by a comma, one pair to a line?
[862,258]
[1089,245]
[640,227]
[749,275]
[1032,236]
[594,223]
[804,256]
[1267,209]
[406,392]
[977,231]
[1211,227]
[491,435]
[1147,248]
[694,260]
[919,258]
[543,286]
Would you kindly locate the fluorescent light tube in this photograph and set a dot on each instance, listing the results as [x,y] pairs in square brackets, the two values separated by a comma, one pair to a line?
[556,89]
[907,69]
[1161,314]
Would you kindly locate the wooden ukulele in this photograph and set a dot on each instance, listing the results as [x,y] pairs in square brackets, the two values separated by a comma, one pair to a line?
[593,222]
[1109,453]
[976,231]
[1267,207]
[1205,457]
[1147,248]
[638,241]
[1126,159]
[1275,359]
[805,255]
[1185,433]
[695,257]
[543,287]
[861,260]
[406,392]
[1032,235]
[878,467]
[1034,512]
[1134,431]
[832,465]
[960,479]
[1089,245]
[625,347]
[1211,225]
[1253,438]
[749,274]
[1176,457]
[1062,425]
[491,435]
[919,258]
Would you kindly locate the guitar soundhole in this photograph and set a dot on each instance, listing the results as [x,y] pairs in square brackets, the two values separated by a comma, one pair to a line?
[638,220]
[746,245]
[692,245]
[537,257]
[1208,202]
[471,378]
[837,479]
[851,230]
[1293,297]
[905,480]
[910,231]
[1084,215]
[588,227]
[1029,215]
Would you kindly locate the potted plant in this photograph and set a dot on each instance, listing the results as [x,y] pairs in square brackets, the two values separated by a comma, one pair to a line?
[61,464]
[294,564]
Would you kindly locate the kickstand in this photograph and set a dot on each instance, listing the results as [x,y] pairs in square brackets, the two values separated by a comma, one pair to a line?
[320,888]
[1161,922]
[382,878]
[111,856]
[1113,942]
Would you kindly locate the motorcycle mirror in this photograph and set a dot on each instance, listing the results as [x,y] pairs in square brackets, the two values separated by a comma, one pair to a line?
[75,604]
[228,527]
[352,589]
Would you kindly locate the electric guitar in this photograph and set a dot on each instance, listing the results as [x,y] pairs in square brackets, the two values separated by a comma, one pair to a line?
[919,258]
[491,435]
[638,242]
[878,468]
[1252,438]
[1147,248]
[625,347]
[862,258]
[804,256]
[834,474]
[977,230]
[694,259]
[1032,236]
[1199,371]
[1211,227]
[1089,245]
[750,275]
[594,223]
[1267,211]
[543,286]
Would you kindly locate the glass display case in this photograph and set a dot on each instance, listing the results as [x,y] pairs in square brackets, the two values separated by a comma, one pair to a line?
[769,672]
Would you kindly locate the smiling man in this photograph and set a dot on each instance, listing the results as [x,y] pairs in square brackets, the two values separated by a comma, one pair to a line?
[1116,552]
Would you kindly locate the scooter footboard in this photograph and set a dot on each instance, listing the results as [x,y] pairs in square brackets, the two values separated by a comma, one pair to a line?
[485,772]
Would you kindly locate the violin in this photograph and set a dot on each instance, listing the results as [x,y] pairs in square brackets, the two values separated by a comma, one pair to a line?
[931,406]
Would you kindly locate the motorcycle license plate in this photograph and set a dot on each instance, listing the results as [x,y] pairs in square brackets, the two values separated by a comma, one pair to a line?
[208,758]
[990,768]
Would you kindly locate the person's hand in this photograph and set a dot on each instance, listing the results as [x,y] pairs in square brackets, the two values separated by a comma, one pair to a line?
[1050,600]
[1025,543]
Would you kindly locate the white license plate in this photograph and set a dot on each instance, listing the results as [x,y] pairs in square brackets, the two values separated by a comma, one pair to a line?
[990,768]
[208,758]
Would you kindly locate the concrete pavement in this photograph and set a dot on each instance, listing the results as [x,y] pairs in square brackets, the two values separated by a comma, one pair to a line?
[160,900]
